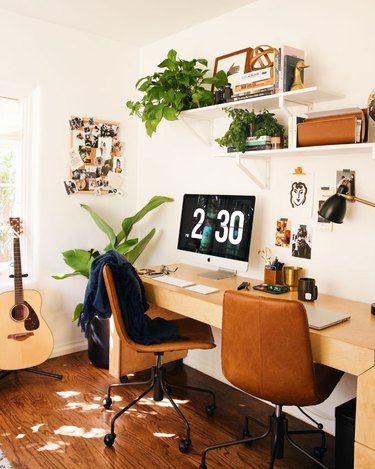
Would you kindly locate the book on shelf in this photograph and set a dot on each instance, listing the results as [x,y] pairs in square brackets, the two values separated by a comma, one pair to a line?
[253,94]
[288,57]
[293,121]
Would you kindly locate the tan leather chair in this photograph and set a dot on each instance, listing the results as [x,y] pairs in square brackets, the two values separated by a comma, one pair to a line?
[266,352]
[194,335]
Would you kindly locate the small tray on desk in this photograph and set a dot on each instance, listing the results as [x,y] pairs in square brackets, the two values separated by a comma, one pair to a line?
[273,288]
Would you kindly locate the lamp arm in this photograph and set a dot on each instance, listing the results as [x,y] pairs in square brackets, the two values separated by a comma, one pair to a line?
[353,198]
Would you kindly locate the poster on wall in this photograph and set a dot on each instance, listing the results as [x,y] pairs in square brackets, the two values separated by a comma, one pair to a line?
[283,232]
[301,240]
[298,193]
[95,158]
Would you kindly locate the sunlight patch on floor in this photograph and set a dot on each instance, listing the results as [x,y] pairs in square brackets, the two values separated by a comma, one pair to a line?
[67,394]
[164,403]
[164,435]
[82,406]
[35,428]
[50,446]
[20,436]
[71,430]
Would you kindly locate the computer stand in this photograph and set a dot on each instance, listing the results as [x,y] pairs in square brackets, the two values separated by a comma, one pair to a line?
[32,370]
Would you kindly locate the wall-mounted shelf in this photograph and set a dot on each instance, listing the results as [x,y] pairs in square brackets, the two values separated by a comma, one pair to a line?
[265,155]
[306,97]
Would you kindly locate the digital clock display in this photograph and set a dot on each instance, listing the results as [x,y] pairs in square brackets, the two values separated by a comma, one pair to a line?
[217,225]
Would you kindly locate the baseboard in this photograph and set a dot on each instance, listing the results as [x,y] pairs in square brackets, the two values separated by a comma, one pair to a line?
[71,347]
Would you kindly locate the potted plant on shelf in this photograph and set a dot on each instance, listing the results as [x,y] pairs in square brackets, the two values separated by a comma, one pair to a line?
[263,123]
[178,87]
[80,261]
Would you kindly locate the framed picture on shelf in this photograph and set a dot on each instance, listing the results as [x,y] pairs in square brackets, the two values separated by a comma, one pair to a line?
[234,64]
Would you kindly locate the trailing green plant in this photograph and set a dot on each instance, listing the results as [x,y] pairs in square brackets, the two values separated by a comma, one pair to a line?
[264,123]
[180,86]
[80,260]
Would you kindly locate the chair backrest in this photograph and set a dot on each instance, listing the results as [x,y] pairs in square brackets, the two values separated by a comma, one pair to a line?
[266,348]
[116,309]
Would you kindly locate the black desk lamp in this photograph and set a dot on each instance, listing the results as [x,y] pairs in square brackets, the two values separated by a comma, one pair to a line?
[334,208]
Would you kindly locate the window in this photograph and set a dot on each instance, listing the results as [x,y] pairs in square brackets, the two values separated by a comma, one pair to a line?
[11,173]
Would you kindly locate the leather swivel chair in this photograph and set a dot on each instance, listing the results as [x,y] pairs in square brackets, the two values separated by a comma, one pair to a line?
[194,335]
[266,352]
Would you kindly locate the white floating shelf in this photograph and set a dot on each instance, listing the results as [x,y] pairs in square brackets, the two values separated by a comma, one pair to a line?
[305,96]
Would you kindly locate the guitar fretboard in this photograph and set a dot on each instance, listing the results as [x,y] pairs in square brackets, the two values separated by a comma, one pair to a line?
[18,286]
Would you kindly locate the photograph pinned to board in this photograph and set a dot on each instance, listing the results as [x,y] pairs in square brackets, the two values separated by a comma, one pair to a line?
[95,153]
[301,240]
[321,223]
[298,193]
[283,232]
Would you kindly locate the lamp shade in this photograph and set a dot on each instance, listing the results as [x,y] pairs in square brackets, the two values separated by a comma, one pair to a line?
[334,208]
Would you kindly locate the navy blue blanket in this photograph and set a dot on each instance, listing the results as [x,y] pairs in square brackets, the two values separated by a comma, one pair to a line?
[140,327]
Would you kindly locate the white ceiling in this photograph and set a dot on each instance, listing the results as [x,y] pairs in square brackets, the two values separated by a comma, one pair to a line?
[129,21]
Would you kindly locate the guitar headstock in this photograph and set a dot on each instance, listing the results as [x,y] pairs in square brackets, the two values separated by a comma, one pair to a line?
[16,225]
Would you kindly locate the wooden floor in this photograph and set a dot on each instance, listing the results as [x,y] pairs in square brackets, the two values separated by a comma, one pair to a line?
[61,424]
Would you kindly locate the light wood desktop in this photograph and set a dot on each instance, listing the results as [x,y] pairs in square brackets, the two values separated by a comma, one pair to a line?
[349,346]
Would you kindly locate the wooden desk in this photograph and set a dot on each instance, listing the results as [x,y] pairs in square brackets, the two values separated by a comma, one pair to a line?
[348,346]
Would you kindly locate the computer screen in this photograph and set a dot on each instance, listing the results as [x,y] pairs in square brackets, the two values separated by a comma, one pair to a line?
[216,230]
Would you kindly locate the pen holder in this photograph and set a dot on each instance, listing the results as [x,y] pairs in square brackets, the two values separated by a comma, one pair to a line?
[273,276]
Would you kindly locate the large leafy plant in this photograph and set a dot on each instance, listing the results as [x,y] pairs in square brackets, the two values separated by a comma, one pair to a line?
[178,87]
[80,260]
[264,123]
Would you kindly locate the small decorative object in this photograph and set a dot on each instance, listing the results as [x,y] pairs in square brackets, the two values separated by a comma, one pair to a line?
[297,83]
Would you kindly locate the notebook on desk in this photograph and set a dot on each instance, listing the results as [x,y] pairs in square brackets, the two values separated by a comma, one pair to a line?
[321,318]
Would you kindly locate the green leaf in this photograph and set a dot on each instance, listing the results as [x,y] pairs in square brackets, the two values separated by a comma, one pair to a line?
[154,202]
[101,224]
[62,276]
[133,255]
[77,311]
[170,113]
[79,260]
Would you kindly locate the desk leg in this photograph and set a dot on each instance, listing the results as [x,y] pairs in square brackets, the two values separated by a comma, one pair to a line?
[364,454]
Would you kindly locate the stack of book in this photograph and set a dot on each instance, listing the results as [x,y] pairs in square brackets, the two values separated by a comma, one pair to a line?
[277,77]
[255,144]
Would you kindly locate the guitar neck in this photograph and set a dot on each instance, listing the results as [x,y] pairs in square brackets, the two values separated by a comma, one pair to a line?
[18,285]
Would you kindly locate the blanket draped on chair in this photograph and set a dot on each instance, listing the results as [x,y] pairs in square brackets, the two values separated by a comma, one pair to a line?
[140,327]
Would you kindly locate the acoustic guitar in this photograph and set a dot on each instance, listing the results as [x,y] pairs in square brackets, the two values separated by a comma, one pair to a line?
[25,339]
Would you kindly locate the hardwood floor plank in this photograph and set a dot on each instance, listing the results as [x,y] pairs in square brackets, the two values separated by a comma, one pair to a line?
[59,424]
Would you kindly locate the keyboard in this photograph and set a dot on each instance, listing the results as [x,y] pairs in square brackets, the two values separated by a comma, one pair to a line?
[191,286]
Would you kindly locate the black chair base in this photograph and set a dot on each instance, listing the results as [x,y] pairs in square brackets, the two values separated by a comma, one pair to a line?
[278,429]
[160,387]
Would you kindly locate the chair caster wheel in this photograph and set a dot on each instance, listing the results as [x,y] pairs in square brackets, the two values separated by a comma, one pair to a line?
[107,402]
[210,409]
[319,452]
[184,445]
[247,434]
[109,439]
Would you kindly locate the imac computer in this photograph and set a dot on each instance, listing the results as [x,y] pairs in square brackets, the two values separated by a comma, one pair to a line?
[216,230]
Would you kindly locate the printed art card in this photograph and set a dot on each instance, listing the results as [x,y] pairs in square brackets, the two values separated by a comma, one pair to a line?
[283,232]
[298,194]
[301,240]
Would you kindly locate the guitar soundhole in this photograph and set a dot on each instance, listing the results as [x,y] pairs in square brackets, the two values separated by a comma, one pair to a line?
[24,312]
[20,312]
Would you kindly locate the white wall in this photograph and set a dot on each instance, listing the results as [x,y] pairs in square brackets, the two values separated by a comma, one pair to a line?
[73,73]
[338,49]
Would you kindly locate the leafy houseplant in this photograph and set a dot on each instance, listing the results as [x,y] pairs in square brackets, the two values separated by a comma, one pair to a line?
[180,86]
[264,123]
[80,260]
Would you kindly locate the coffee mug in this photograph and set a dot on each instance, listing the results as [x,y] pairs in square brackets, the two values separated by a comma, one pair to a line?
[307,290]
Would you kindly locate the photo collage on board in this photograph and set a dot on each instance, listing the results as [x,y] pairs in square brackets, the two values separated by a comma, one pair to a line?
[96,160]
